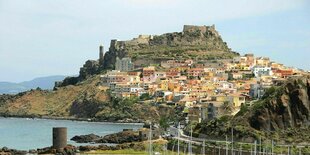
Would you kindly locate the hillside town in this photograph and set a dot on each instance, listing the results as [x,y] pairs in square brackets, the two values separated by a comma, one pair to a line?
[207,89]
[155,77]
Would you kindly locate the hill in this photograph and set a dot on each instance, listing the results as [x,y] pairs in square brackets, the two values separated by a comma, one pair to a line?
[86,100]
[47,82]
[282,115]
[283,107]
[194,42]
[84,97]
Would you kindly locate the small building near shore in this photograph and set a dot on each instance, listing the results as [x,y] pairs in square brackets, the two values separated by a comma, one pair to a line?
[144,134]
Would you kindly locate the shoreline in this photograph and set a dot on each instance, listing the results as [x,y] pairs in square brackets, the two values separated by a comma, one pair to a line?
[30,150]
[138,122]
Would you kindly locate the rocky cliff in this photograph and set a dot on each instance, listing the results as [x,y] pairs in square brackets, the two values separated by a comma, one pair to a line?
[283,114]
[283,107]
[194,42]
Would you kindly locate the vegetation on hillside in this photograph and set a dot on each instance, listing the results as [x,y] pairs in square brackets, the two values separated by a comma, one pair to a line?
[84,100]
[280,115]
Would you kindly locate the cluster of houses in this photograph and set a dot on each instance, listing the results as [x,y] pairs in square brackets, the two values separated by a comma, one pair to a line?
[206,89]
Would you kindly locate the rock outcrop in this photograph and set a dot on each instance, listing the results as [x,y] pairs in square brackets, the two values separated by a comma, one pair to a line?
[86,138]
[195,42]
[121,137]
[115,138]
[7,151]
[91,67]
[68,150]
[283,107]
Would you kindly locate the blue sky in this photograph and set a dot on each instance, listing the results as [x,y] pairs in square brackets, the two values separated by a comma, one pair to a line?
[55,37]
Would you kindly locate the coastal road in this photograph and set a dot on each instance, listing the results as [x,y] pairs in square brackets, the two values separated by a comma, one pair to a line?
[174,133]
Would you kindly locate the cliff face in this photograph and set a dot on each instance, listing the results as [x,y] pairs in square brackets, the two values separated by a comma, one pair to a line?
[91,67]
[287,106]
[195,42]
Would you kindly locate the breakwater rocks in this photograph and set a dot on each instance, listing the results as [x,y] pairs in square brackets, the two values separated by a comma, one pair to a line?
[116,138]
[121,137]
[86,138]
[68,150]
[7,151]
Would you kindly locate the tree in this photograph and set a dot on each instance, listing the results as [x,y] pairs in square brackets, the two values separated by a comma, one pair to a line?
[243,109]
[227,106]
[145,96]
[38,88]
[163,122]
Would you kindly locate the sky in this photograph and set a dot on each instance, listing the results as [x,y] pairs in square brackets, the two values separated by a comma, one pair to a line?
[55,37]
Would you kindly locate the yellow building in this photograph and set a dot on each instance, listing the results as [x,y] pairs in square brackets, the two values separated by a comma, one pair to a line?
[163,84]
[262,61]
[234,100]
[208,87]
[174,87]
[239,84]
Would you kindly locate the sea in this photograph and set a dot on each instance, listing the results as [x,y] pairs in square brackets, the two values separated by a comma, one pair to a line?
[27,134]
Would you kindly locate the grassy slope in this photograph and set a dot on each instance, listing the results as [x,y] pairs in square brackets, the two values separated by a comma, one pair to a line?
[51,103]
[84,100]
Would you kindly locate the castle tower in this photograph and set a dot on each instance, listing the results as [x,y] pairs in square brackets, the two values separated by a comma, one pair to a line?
[101,53]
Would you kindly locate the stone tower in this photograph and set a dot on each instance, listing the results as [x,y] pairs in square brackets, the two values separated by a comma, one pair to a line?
[101,53]
[59,138]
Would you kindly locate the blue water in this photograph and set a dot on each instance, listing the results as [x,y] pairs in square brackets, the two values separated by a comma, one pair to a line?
[26,134]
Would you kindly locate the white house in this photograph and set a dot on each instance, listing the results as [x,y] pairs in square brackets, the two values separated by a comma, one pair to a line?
[262,71]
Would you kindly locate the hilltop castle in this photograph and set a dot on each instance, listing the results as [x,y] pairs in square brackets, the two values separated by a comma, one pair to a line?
[193,42]
[202,29]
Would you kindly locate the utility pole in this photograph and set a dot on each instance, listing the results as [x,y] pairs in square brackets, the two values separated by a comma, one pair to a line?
[189,148]
[184,148]
[226,146]
[263,151]
[150,138]
[232,140]
[272,147]
[203,147]
[260,145]
[281,151]
[191,140]
[220,150]
[255,147]
[179,138]
[288,150]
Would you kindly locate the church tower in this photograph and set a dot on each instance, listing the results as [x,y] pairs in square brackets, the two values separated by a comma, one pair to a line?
[101,53]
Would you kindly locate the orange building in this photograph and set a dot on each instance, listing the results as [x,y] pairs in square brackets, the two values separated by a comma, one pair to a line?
[148,71]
